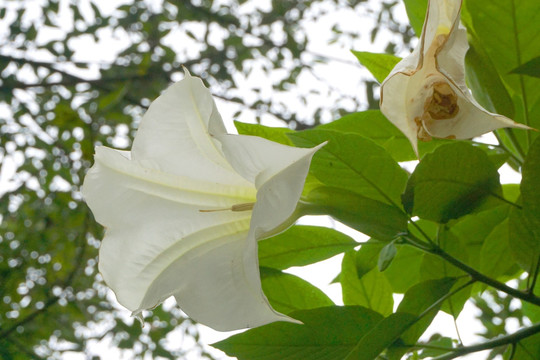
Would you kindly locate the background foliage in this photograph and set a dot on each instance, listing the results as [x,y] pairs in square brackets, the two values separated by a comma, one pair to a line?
[55,105]
[79,73]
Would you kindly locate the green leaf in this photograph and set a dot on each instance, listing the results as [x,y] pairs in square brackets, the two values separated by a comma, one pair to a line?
[507,32]
[494,254]
[327,334]
[416,301]
[434,267]
[472,230]
[404,271]
[530,188]
[276,134]
[371,290]
[381,336]
[387,254]
[373,125]
[354,163]
[302,245]
[379,65]
[371,217]
[367,256]
[526,349]
[288,293]
[451,182]
[531,68]
[416,11]
[485,83]
[530,310]
[523,242]
[439,343]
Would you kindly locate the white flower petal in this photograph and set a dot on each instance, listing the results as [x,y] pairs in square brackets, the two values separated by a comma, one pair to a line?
[227,292]
[173,135]
[279,178]
[397,110]
[258,159]
[178,212]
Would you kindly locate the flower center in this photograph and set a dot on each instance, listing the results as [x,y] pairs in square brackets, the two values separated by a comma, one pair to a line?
[442,104]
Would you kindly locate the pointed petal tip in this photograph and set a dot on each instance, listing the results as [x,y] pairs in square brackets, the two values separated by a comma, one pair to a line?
[316,148]
[186,71]
[137,314]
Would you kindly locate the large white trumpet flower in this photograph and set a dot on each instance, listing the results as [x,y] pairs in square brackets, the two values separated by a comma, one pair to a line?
[183,210]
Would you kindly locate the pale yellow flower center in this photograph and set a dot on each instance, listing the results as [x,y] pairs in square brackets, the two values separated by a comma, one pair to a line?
[441,102]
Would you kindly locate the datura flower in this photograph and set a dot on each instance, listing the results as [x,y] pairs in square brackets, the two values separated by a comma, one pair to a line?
[183,210]
[425,94]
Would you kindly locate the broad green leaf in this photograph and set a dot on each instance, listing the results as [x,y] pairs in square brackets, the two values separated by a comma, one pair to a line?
[367,256]
[371,290]
[472,230]
[276,134]
[381,336]
[373,125]
[404,271]
[530,310]
[451,182]
[494,254]
[416,11]
[507,31]
[526,349]
[438,344]
[327,334]
[354,163]
[530,188]
[486,84]
[522,240]
[511,192]
[531,68]
[416,301]
[379,65]
[288,293]
[302,245]
[387,254]
[371,217]
[496,155]
[434,267]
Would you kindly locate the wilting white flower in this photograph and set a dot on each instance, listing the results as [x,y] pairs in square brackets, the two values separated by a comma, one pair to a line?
[425,94]
[184,209]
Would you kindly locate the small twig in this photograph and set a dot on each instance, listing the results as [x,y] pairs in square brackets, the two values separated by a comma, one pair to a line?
[491,344]
[438,251]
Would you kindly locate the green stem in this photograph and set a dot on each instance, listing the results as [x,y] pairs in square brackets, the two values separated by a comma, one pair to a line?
[513,157]
[505,200]
[475,275]
[426,236]
[531,298]
[515,143]
[442,299]
[491,344]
